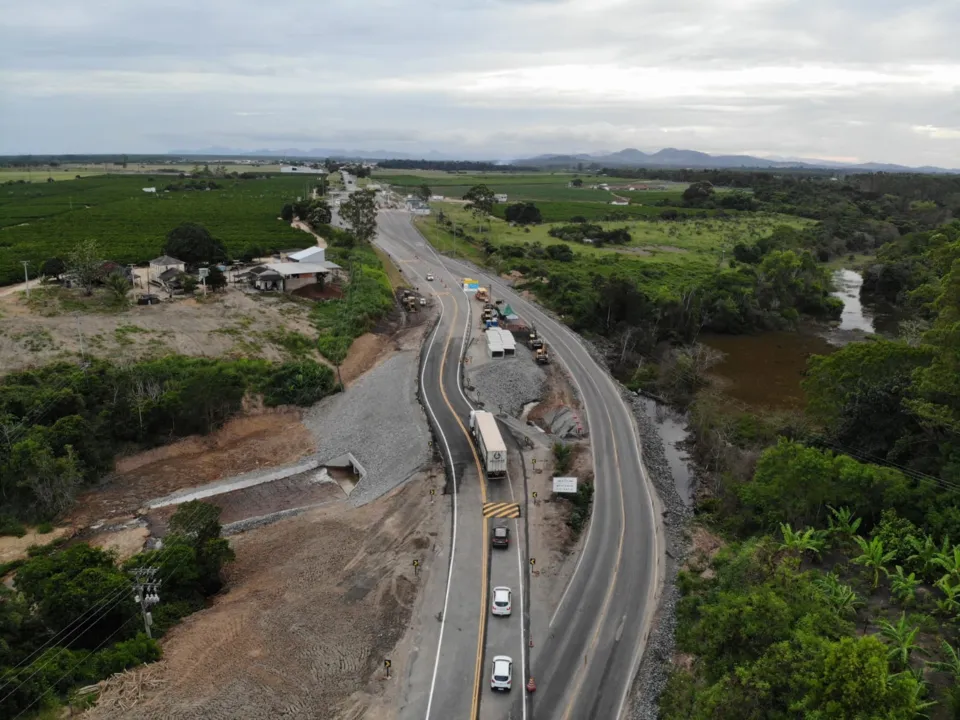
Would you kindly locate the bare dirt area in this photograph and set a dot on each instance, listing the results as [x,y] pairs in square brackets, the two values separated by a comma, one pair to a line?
[15,548]
[243,444]
[232,323]
[313,606]
[559,394]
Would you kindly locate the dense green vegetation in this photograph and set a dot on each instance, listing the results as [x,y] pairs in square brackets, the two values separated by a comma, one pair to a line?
[62,424]
[70,619]
[839,595]
[40,221]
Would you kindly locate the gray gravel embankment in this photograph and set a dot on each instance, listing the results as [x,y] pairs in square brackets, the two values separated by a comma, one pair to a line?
[379,420]
[510,382]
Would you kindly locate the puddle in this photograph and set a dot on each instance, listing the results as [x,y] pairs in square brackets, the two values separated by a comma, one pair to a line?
[672,428]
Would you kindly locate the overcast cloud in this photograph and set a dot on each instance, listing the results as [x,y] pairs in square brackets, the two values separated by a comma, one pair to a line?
[864,80]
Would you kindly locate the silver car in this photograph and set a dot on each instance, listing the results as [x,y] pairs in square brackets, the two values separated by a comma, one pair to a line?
[502,678]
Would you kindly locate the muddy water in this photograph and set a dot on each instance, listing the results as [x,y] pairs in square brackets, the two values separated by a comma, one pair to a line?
[671,427]
[766,369]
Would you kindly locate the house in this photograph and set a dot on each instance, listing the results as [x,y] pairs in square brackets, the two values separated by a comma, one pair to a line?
[149,190]
[500,197]
[438,198]
[620,202]
[165,262]
[288,276]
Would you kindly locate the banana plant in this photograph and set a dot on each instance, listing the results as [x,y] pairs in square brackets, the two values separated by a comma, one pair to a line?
[903,586]
[949,605]
[842,524]
[949,562]
[901,638]
[925,553]
[952,663]
[842,598]
[799,542]
[873,557]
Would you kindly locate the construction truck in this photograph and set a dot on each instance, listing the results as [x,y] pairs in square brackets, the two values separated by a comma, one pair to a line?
[534,341]
[483,294]
[409,301]
[488,316]
[541,354]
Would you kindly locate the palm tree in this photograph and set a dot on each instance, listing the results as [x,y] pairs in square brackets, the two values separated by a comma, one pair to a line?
[843,525]
[925,553]
[119,286]
[873,557]
[901,641]
[904,587]
[799,542]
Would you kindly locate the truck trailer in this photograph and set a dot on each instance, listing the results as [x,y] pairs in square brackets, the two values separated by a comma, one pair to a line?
[493,451]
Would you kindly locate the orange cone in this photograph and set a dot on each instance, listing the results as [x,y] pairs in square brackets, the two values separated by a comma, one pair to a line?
[531,686]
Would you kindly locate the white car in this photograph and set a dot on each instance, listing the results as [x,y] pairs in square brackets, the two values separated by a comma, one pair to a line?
[502,678]
[430,276]
[502,601]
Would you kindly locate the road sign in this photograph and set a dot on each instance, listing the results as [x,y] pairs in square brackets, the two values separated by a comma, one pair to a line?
[565,485]
[204,272]
[534,494]
[387,663]
[501,510]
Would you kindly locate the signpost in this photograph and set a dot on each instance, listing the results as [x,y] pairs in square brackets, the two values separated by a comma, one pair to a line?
[565,485]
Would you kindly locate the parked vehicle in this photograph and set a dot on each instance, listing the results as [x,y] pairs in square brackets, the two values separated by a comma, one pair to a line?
[500,537]
[502,677]
[430,277]
[541,355]
[502,601]
[493,451]
[483,294]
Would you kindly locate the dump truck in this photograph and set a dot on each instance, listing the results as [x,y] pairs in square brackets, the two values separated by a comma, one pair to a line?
[541,354]
[493,451]
[483,294]
[409,301]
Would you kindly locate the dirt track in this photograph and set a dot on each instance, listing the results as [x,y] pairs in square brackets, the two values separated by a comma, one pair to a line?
[315,603]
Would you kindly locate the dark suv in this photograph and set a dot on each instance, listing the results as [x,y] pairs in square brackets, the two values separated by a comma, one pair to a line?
[500,537]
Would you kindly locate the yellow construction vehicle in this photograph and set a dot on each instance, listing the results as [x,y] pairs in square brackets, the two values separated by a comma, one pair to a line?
[541,354]
[483,295]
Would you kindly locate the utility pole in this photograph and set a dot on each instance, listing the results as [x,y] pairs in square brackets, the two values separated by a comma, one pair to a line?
[145,593]
[26,277]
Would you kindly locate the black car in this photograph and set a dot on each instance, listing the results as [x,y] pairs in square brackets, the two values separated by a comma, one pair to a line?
[501,537]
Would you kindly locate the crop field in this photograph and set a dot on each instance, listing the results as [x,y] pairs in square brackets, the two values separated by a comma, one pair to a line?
[671,251]
[69,171]
[42,221]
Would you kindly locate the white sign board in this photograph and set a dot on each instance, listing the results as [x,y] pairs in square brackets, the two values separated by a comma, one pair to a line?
[564,484]
[204,272]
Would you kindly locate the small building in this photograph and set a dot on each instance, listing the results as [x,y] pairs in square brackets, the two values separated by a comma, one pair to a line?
[308,255]
[620,202]
[288,276]
[165,262]
[149,190]
[438,198]
[500,197]
[494,345]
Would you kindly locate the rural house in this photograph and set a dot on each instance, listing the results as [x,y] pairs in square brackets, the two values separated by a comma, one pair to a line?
[164,263]
[308,255]
[288,276]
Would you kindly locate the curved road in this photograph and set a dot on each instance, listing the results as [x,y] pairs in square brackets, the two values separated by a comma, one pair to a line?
[585,667]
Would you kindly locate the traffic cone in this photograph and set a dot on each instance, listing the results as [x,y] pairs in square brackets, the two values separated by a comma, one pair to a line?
[531,686]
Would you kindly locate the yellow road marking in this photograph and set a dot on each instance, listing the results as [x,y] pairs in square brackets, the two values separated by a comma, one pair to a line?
[501,510]
[475,704]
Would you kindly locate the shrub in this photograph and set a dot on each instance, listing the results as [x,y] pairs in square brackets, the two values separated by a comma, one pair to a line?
[10,526]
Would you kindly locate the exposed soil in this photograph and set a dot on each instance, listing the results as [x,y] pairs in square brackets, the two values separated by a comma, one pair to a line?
[126,543]
[314,605]
[559,393]
[14,548]
[363,355]
[232,323]
[244,444]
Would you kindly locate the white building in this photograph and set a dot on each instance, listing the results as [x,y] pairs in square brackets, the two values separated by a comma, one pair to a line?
[620,202]
[500,197]
[309,255]
[290,276]
[164,263]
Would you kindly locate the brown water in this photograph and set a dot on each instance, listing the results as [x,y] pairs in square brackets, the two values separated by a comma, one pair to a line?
[672,429]
[766,369]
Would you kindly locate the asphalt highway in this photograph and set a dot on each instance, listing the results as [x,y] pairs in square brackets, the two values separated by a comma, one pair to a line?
[585,666]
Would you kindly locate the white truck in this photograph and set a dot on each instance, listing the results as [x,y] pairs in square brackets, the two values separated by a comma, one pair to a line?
[493,452]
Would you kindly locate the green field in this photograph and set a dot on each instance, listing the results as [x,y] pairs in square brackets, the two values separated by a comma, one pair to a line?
[669,252]
[69,171]
[42,221]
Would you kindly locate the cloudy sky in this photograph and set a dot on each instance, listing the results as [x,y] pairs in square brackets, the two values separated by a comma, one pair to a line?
[843,79]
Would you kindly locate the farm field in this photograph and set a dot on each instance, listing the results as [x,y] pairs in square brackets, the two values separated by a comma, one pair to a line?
[69,171]
[46,220]
[669,251]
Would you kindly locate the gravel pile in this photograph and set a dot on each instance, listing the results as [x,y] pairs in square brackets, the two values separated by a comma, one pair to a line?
[510,382]
[379,420]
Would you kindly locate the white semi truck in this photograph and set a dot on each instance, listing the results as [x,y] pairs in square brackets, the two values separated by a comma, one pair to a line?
[493,452]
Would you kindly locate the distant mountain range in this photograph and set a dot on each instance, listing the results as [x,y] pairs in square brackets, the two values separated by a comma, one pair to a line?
[629,157]
[672,157]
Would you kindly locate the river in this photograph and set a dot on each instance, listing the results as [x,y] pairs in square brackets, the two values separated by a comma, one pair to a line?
[766,369]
